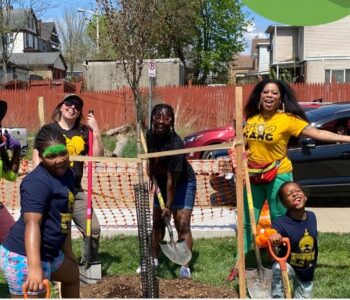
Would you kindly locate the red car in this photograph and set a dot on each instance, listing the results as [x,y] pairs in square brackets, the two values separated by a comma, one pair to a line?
[224,134]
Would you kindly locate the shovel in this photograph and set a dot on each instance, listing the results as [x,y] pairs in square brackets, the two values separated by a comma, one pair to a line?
[258,280]
[283,265]
[3,110]
[90,272]
[178,252]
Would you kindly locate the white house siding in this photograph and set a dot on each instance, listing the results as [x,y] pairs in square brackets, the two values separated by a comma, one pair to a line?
[332,39]
[285,45]
[18,43]
[263,58]
[316,68]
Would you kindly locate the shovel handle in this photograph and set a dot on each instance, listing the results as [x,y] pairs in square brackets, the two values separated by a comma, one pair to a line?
[281,260]
[46,283]
[283,265]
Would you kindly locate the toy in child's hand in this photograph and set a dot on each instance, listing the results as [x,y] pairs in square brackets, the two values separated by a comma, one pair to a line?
[263,237]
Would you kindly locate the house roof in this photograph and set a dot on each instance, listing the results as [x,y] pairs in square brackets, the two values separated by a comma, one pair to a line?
[256,42]
[243,62]
[38,58]
[46,29]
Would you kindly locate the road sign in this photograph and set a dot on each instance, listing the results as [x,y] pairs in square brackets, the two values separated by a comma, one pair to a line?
[152,67]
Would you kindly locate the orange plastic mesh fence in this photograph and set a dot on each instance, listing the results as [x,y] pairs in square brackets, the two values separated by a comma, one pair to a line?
[114,199]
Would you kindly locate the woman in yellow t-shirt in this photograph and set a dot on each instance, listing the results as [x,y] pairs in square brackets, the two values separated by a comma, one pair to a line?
[8,169]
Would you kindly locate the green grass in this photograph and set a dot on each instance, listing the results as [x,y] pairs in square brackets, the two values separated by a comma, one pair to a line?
[130,149]
[214,258]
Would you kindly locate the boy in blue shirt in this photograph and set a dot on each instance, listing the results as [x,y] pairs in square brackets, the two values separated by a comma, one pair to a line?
[300,226]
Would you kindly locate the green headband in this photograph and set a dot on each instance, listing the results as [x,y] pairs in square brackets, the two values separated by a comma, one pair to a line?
[54,149]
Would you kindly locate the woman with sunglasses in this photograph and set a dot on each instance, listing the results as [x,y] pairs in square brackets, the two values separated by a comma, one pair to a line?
[8,169]
[175,178]
[67,117]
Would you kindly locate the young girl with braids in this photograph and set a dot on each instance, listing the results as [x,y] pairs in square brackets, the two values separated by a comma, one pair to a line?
[8,169]
[175,178]
[38,245]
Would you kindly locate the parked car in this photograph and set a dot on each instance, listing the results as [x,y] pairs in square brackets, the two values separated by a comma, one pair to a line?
[224,134]
[322,169]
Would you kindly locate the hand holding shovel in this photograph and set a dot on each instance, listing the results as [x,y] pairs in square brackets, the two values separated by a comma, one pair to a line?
[177,252]
[283,265]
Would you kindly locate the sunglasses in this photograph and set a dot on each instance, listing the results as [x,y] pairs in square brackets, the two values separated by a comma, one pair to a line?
[160,116]
[70,103]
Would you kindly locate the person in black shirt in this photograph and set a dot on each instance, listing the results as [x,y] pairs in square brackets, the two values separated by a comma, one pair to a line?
[175,178]
[300,226]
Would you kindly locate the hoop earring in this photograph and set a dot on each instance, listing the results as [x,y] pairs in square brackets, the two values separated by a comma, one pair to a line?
[283,107]
[259,105]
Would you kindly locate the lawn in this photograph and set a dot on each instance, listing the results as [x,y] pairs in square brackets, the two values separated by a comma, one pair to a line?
[213,259]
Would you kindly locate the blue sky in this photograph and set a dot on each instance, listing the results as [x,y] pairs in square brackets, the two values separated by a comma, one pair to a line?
[58,7]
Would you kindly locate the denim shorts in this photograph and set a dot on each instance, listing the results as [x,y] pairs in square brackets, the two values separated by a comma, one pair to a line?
[184,196]
[15,269]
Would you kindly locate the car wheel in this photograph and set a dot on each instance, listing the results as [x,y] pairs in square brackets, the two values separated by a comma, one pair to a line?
[208,155]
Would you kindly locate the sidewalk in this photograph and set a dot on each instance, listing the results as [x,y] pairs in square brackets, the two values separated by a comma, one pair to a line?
[223,224]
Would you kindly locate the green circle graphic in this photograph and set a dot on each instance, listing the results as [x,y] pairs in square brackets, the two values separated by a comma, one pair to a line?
[301,12]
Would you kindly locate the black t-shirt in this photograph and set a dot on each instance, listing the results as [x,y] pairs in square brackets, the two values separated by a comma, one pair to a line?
[53,197]
[77,144]
[175,164]
[303,240]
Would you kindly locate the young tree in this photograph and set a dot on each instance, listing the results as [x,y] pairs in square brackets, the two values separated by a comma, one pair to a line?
[72,34]
[130,28]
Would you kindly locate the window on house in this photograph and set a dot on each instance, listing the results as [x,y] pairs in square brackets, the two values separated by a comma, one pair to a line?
[338,76]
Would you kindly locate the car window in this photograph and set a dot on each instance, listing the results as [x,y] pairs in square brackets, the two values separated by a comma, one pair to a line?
[340,126]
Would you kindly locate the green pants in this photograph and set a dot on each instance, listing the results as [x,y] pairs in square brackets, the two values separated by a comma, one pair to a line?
[260,193]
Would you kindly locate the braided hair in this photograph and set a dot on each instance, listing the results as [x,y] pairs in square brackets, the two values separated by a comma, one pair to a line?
[48,136]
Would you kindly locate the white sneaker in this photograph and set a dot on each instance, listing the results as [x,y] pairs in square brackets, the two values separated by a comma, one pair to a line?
[185,272]
[155,262]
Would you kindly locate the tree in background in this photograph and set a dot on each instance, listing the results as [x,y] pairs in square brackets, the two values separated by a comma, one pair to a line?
[74,40]
[203,34]
[129,24]
[219,36]
[106,48]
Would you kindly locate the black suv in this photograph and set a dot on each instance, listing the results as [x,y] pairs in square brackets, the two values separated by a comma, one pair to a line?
[323,169]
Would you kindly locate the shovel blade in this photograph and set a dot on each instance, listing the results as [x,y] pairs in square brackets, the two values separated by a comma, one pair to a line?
[259,283]
[178,253]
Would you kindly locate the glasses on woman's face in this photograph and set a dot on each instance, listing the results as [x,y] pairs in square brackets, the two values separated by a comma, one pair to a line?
[160,116]
[69,103]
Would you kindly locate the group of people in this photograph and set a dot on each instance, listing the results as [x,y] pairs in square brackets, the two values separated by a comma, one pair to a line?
[38,245]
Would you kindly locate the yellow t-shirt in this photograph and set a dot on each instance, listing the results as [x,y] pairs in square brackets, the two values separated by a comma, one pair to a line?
[268,139]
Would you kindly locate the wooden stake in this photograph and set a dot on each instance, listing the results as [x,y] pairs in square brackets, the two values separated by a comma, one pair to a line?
[41,111]
[239,191]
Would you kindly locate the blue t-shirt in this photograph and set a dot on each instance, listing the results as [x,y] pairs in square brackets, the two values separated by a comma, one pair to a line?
[303,240]
[53,197]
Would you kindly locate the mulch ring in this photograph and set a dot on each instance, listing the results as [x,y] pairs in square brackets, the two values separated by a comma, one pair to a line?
[130,287]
